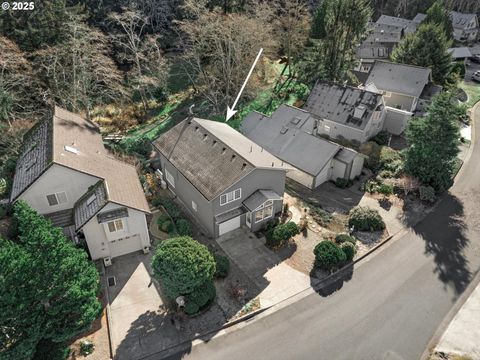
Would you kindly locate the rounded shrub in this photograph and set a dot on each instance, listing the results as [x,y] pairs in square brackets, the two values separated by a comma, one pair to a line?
[184,228]
[427,193]
[365,219]
[385,189]
[382,138]
[342,238]
[284,232]
[181,265]
[200,297]
[167,226]
[349,250]
[162,219]
[328,255]
[222,266]
[342,183]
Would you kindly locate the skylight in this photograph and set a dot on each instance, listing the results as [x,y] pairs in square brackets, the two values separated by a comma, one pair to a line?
[71,149]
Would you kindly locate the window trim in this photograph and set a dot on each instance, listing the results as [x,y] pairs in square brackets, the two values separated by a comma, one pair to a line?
[56,195]
[261,209]
[233,196]
[114,222]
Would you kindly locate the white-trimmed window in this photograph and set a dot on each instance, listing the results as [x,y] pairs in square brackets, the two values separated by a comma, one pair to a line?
[194,206]
[169,177]
[115,225]
[264,211]
[388,94]
[230,196]
[57,198]
[327,128]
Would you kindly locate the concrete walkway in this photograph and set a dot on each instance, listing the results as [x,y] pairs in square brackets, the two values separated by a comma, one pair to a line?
[277,281]
[463,334]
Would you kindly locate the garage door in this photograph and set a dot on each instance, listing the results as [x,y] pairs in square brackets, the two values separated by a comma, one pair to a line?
[125,245]
[229,225]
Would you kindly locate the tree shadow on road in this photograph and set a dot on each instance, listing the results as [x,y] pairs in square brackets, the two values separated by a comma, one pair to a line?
[444,234]
[333,283]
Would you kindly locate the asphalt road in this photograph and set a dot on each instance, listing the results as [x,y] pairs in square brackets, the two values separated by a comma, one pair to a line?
[390,307]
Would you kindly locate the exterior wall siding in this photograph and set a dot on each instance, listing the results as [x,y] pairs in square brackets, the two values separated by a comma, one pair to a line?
[406,103]
[324,175]
[258,179]
[337,130]
[98,239]
[357,166]
[187,193]
[396,121]
[272,179]
[57,179]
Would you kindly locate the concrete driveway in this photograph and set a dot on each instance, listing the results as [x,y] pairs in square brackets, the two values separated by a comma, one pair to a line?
[265,268]
[133,296]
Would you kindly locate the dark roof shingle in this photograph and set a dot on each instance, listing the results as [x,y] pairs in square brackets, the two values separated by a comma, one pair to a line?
[346,105]
[211,155]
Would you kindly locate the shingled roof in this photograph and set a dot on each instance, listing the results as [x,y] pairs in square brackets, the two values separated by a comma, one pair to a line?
[399,78]
[69,140]
[287,134]
[211,155]
[35,158]
[346,105]
[89,204]
[460,20]
[410,26]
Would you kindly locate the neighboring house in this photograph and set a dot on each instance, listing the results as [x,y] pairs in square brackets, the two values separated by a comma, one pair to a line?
[224,179]
[409,26]
[289,134]
[418,19]
[378,45]
[382,37]
[406,89]
[346,112]
[460,53]
[66,174]
[465,26]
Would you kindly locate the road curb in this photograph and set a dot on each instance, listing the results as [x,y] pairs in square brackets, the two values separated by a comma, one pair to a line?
[256,315]
[476,279]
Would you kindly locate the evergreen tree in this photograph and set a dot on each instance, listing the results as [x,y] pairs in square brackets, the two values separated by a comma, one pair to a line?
[38,28]
[48,288]
[433,143]
[438,14]
[337,29]
[426,47]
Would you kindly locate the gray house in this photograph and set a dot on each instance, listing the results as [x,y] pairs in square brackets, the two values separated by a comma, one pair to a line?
[406,89]
[290,135]
[382,37]
[66,174]
[224,179]
[346,112]
[378,45]
[465,26]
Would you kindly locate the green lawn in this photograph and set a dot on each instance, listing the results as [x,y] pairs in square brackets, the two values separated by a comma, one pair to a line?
[473,92]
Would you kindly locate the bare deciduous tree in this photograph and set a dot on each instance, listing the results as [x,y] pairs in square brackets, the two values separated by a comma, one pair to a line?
[220,50]
[292,27]
[149,69]
[20,95]
[78,72]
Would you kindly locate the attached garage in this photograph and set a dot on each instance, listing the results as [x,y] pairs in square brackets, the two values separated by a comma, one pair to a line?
[229,225]
[126,245]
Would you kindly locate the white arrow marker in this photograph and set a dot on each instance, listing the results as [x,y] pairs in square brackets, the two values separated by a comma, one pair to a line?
[231,111]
